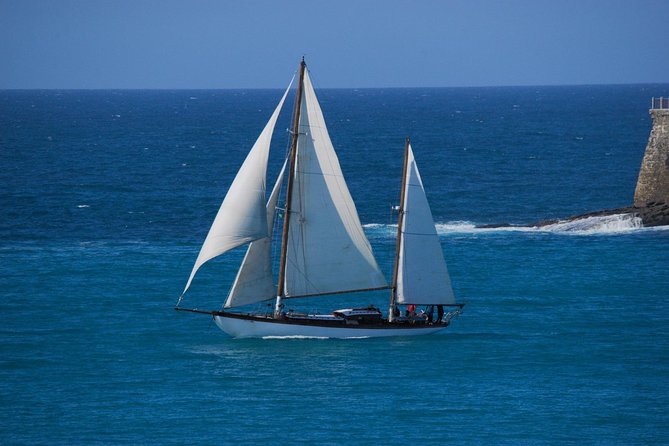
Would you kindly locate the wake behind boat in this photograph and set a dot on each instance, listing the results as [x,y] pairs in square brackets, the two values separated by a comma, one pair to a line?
[324,250]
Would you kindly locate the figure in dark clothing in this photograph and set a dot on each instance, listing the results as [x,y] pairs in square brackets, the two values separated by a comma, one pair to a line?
[440,313]
[430,314]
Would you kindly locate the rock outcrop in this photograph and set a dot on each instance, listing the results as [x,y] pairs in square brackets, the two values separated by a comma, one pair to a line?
[653,183]
[653,214]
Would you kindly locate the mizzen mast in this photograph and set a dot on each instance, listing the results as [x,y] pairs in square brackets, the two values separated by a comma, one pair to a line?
[398,243]
[289,193]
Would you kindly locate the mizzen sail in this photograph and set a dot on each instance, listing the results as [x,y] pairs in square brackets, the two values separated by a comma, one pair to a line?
[422,275]
[327,247]
[242,217]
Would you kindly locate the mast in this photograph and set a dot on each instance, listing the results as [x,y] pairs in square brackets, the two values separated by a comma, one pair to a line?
[289,193]
[400,218]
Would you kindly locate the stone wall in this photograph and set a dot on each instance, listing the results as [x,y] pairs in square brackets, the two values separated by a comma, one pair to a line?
[653,183]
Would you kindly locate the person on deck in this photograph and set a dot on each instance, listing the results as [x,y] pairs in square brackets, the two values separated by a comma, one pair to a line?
[440,313]
[430,314]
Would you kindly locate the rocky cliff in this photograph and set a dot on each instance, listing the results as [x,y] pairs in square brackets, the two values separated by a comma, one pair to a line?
[653,182]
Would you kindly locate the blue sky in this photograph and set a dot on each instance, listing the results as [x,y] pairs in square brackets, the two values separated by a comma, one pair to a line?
[347,43]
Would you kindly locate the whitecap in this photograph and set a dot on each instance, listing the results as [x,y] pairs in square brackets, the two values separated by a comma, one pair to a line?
[604,224]
[594,225]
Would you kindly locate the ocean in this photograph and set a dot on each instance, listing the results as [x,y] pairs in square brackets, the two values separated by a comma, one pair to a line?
[107,196]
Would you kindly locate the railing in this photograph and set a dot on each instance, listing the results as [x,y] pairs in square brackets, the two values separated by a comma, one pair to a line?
[659,104]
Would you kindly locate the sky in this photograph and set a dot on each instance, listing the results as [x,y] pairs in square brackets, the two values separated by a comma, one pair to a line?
[100,44]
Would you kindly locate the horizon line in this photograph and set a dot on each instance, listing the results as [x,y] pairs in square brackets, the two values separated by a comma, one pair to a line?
[324,88]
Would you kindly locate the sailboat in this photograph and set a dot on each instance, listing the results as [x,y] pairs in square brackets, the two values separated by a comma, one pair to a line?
[323,247]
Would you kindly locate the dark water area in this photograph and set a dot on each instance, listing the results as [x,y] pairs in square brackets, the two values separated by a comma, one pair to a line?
[108,195]
[489,155]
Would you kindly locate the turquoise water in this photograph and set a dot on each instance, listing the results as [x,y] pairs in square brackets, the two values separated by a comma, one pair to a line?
[107,196]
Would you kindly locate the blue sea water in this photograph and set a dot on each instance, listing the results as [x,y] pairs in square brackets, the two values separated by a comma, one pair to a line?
[106,197]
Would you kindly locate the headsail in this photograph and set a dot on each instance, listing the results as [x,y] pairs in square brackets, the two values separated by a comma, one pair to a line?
[254,281]
[242,217]
[327,247]
[422,276]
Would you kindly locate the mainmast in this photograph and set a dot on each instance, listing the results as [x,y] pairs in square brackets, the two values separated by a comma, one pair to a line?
[398,243]
[289,193]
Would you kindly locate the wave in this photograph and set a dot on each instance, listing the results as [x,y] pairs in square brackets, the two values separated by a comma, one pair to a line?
[608,224]
[594,225]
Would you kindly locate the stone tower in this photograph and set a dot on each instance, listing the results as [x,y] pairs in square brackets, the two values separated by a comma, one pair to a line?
[653,183]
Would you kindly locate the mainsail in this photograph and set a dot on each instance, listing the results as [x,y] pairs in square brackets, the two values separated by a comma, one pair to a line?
[254,281]
[327,248]
[242,217]
[422,275]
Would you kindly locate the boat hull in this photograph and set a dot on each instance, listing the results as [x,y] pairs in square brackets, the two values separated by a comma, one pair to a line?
[246,326]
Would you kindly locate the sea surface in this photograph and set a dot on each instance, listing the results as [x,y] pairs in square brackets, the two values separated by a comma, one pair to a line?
[106,197]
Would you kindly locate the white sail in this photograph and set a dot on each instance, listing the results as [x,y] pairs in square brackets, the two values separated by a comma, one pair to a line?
[242,217]
[254,281]
[327,248]
[422,275]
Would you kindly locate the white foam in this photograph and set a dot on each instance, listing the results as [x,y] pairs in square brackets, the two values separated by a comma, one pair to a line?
[606,224]
[455,226]
[596,225]
[81,206]
[599,225]
[377,225]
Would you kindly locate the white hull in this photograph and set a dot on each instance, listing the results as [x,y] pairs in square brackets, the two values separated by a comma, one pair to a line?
[247,328]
